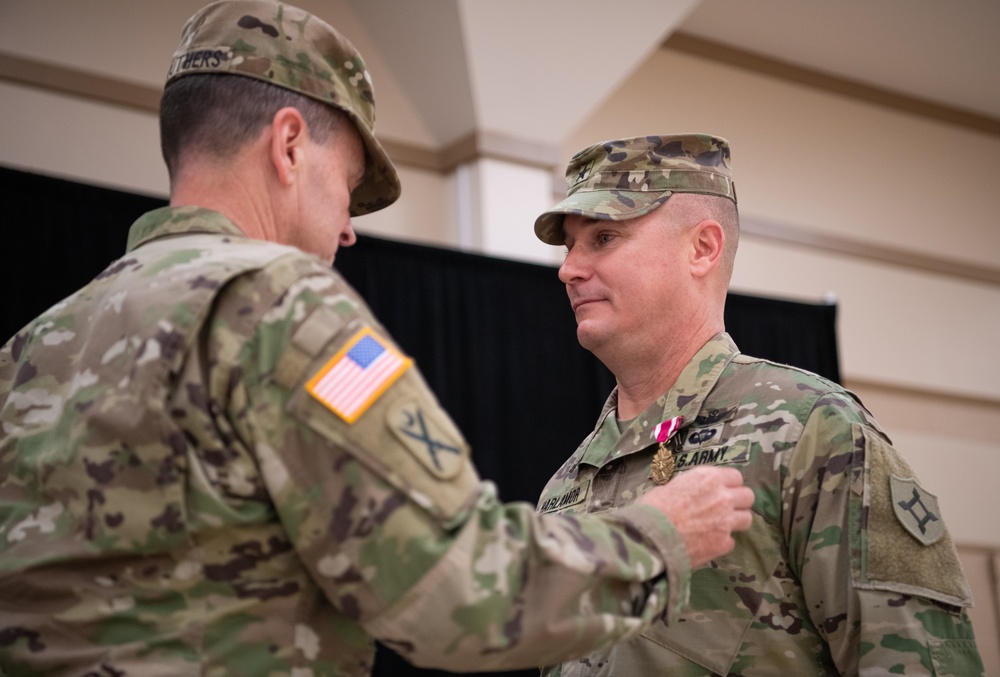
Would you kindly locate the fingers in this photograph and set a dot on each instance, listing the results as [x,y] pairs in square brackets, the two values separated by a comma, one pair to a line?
[729,477]
[707,505]
[742,498]
[743,520]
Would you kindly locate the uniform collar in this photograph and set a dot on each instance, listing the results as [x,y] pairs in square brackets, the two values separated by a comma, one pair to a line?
[685,398]
[179,220]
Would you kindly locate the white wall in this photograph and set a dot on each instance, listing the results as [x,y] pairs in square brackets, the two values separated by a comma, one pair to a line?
[921,346]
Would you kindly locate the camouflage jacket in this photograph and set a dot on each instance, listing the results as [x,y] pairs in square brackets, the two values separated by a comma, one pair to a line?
[847,569]
[215,461]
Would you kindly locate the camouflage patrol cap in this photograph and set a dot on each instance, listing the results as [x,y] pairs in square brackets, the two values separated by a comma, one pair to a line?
[288,47]
[626,178]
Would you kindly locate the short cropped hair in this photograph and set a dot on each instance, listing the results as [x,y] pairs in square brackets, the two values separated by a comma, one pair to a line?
[217,114]
[690,208]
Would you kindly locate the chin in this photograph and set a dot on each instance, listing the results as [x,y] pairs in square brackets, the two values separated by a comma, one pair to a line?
[588,337]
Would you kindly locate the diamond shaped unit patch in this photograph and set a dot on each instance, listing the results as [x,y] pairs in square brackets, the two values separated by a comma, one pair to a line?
[916,509]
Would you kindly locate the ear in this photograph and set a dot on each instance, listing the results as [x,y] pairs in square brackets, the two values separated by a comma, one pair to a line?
[708,240]
[287,148]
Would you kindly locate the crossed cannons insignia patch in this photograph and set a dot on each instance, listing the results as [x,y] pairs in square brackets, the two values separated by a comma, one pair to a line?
[916,509]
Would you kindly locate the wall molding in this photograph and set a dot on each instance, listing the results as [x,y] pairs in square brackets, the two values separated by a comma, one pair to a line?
[974,402]
[75,82]
[717,51]
[474,146]
[859,249]
[492,145]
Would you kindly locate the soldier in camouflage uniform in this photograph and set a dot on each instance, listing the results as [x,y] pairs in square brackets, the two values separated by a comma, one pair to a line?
[848,567]
[215,461]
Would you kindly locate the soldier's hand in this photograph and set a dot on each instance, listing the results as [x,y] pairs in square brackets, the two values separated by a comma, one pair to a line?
[706,504]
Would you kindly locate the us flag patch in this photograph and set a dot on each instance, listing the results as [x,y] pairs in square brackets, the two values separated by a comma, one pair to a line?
[357,375]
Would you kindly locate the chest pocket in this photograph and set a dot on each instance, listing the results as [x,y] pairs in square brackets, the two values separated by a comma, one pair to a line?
[725,600]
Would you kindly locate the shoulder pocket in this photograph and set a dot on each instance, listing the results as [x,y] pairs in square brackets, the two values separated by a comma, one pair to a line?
[396,428]
[905,546]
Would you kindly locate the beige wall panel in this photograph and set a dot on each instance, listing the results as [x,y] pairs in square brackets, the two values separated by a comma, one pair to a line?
[978,567]
[133,41]
[895,325]
[119,148]
[931,413]
[511,198]
[810,159]
[994,637]
[81,140]
[423,213]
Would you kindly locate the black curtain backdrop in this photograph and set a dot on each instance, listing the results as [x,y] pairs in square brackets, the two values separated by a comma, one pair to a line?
[495,339]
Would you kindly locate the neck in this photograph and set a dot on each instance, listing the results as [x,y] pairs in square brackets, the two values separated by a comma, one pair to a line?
[240,196]
[643,379]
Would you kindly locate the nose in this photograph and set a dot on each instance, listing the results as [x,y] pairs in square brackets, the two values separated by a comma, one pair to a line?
[573,267]
[347,236]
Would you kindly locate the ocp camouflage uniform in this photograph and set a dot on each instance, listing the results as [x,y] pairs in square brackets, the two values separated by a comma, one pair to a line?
[187,491]
[847,568]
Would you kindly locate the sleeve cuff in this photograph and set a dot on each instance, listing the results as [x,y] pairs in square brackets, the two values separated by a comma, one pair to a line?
[662,537]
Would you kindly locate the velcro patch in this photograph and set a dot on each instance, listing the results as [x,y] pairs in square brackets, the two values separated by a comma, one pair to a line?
[891,556]
[357,375]
[701,437]
[570,496]
[731,454]
[431,438]
[916,509]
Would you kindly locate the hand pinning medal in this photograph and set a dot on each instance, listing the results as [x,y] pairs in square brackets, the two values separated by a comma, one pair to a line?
[662,467]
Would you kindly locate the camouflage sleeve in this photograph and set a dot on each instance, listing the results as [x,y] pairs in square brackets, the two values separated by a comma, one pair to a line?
[373,483]
[880,573]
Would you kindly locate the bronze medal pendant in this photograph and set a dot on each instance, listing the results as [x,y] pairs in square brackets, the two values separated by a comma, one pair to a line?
[663,466]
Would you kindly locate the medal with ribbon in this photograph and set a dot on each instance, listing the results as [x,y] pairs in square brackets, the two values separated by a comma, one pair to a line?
[662,467]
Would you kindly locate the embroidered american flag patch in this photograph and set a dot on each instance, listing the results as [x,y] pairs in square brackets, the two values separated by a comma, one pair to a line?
[357,375]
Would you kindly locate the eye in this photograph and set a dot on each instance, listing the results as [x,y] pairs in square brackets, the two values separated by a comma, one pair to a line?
[604,237]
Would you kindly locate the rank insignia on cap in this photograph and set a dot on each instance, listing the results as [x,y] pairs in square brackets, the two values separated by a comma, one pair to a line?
[584,171]
[361,371]
[916,509]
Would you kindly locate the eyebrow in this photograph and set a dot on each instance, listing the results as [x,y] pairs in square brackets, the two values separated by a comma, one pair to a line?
[590,221]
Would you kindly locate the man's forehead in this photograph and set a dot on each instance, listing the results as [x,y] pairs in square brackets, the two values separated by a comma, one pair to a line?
[582,221]
[573,223]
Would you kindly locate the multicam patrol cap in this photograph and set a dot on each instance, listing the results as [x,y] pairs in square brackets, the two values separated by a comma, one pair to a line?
[626,178]
[290,48]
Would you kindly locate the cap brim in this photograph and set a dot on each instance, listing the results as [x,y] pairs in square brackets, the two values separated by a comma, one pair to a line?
[604,205]
[380,185]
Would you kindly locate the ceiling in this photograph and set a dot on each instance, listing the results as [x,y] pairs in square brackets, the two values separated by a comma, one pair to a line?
[944,52]
[535,70]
